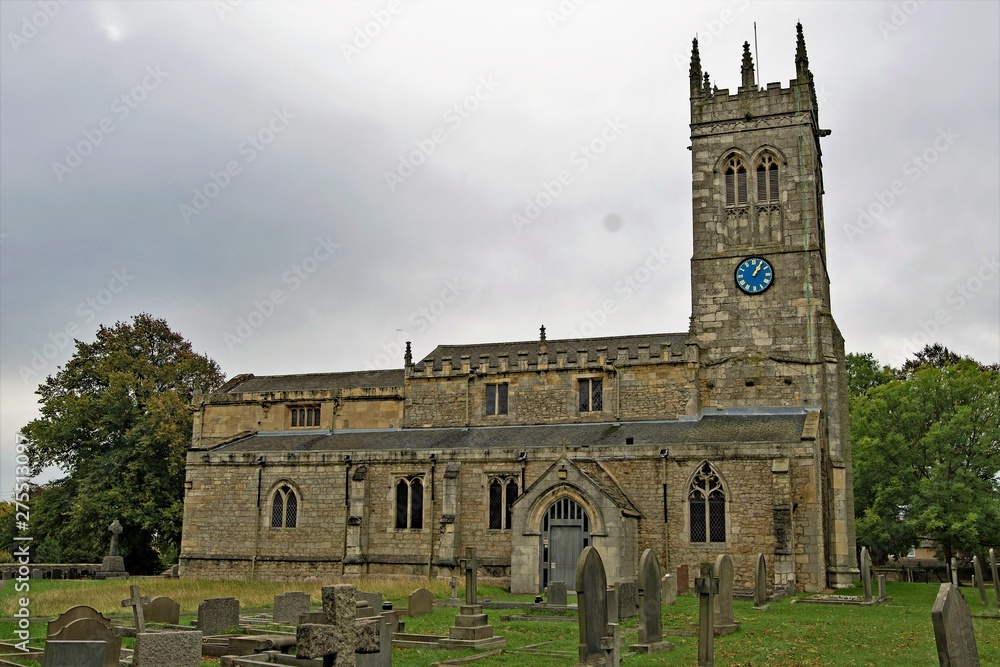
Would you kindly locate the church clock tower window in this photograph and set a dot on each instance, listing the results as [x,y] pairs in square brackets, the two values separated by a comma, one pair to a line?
[707,506]
[767,180]
[736,182]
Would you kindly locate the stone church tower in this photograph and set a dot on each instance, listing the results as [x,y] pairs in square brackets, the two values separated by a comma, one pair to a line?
[760,291]
[731,437]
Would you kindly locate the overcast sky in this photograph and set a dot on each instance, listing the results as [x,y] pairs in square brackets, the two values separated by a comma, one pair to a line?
[300,187]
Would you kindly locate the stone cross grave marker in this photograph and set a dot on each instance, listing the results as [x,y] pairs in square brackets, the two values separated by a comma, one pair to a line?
[113,565]
[136,601]
[724,619]
[866,574]
[591,591]
[650,608]
[343,635]
[116,529]
[977,567]
[760,583]
[996,580]
[953,633]
[470,565]
[707,586]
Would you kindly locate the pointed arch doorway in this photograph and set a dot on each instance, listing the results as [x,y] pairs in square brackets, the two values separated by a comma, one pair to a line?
[565,532]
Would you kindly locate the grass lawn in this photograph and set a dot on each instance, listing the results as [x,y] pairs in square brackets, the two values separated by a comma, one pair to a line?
[897,634]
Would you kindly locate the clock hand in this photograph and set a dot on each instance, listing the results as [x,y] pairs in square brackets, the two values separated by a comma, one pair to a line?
[757,270]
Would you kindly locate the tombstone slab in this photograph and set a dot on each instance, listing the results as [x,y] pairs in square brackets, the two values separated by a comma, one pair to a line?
[421,603]
[92,630]
[73,614]
[218,615]
[953,632]
[289,606]
[668,589]
[725,622]
[162,609]
[954,572]
[760,584]
[977,568]
[556,593]
[683,583]
[591,589]
[627,599]
[611,601]
[73,654]
[167,649]
[374,600]
[866,575]
[650,609]
[996,580]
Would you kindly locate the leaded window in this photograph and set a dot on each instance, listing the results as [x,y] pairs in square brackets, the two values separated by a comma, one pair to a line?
[767,180]
[736,182]
[284,508]
[591,395]
[503,493]
[410,502]
[305,417]
[707,506]
[496,399]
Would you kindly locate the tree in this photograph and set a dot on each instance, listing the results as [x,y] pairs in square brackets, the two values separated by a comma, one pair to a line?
[927,456]
[864,372]
[115,418]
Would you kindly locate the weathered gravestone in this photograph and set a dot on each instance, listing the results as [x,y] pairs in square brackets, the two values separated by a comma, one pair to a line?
[866,575]
[137,602]
[591,596]
[343,635]
[996,580]
[627,599]
[707,586]
[724,619]
[90,630]
[668,588]
[113,565]
[167,649]
[977,568]
[374,600]
[881,588]
[162,609]
[217,616]
[556,593]
[683,584]
[650,610]
[760,584]
[471,628]
[953,633]
[421,603]
[74,614]
[954,571]
[611,601]
[289,606]
[73,654]
[454,588]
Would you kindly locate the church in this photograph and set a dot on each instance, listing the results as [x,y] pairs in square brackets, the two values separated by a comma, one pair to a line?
[731,437]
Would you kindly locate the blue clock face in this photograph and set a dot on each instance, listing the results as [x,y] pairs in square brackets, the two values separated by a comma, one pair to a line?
[754,275]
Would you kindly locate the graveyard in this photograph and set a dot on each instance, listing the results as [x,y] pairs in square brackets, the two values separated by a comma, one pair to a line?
[895,629]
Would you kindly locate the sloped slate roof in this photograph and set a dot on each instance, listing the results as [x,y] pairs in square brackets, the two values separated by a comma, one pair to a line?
[743,428]
[571,346]
[607,484]
[318,381]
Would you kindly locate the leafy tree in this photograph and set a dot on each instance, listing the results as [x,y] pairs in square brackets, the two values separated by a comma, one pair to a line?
[864,372]
[116,419]
[927,456]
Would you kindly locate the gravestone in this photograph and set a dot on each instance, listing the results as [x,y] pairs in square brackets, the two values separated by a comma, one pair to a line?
[760,584]
[724,620]
[683,584]
[167,649]
[472,628]
[866,575]
[113,565]
[954,571]
[382,658]
[668,587]
[217,616]
[953,633]
[343,635]
[289,606]
[137,602]
[977,568]
[454,588]
[996,580]
[556,593]
[421,603]
[73,654]
[707,586]
[92,630]
[74,614]
[628,605]
[611,601]
[162,609]
[374,600]
[881,588]
[591,592]
[650,609]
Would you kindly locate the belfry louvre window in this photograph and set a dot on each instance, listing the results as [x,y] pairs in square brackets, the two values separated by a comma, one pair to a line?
[496,399]
[503,493]
[409,502]
[284,508]
[767,180]
[591,395]
[308,416]
[736,182]
[707,504]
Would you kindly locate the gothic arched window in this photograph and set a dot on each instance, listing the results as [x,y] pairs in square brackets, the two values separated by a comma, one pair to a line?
[707,506]
[736,182]
[284,507]
[503,493]
[409,502]
[767,180]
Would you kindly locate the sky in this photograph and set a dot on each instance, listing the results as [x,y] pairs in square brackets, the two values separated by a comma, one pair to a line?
[302,187]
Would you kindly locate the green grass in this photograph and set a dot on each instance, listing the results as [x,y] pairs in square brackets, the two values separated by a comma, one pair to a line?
[895,634]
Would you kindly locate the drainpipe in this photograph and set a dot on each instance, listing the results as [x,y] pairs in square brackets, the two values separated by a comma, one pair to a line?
[666,525]
[347,511]
[468,385]
[432,523]
[256,535]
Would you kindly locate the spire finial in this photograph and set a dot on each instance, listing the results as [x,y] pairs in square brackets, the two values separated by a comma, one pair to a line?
[541,331]
[408,357]
[707,85]
[695,71]
[801,59]
[747,69]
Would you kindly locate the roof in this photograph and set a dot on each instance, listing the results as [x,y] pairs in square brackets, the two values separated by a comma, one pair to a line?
[477,351]
[314,381]
[727,428]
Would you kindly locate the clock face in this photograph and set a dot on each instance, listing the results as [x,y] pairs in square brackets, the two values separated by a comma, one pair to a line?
[754,275]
